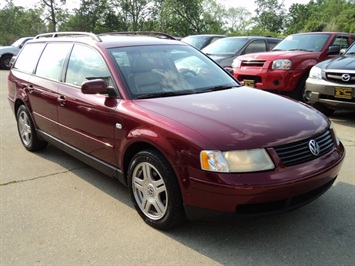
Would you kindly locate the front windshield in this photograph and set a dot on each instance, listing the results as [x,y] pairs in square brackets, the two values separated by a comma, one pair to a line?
[226,46]
[303,42]
[18,42]
[168,70]
[351,50]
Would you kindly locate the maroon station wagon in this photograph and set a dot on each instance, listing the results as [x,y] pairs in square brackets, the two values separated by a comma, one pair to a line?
[184,136]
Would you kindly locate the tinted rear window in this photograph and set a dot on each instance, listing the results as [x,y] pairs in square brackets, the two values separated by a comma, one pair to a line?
[27,59]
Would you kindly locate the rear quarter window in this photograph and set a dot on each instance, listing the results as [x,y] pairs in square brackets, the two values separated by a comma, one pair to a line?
[28,57]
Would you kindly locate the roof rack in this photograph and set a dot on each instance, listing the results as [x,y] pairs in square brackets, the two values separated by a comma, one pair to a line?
[69,33]
[150,33]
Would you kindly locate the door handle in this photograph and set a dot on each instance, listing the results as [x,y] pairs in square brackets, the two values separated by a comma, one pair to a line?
[30,89]
[61,100]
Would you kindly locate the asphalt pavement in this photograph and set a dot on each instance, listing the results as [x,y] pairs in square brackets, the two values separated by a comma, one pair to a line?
[55,210]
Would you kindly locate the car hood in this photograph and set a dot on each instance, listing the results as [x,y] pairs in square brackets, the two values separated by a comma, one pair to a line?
[238,118]
[8,48]
[223,60]
[341,62]
[273,55]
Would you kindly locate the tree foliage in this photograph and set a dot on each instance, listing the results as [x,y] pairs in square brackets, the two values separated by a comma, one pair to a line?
[22,23]
[176,17]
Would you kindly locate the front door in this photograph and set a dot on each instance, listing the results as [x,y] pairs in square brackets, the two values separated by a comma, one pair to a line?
[87,122]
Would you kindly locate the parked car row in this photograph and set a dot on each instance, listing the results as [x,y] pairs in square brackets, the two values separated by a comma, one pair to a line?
[288,69]
[172,125]
[287,66]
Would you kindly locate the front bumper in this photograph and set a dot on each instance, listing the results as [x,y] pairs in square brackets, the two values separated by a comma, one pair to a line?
[267,79]
[280,190]
[321,91]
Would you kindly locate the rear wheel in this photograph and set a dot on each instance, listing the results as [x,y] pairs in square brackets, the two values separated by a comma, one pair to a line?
[27,131]
[155,191]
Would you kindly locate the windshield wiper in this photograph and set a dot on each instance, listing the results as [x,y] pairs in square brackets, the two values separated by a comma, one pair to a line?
[219,88]
[300,49]
[277,50]
[162,94]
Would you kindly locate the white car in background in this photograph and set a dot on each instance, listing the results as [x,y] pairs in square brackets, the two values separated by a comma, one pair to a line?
[7,52]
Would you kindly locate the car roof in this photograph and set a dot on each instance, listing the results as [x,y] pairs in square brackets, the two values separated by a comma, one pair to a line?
[109,40]
[205,35]
[251,37]
[322,32]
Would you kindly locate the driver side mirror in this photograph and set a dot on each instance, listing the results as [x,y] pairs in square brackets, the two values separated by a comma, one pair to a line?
[96,86]
[335,49]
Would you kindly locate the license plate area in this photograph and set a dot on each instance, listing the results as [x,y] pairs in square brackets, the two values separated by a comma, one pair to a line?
[249,82]
[343,93]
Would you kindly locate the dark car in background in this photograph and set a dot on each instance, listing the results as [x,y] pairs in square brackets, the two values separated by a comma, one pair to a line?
[225,50]
[331,83]
[202,40]
[169,123]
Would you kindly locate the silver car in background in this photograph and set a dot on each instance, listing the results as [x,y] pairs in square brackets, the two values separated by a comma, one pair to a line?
[331,83]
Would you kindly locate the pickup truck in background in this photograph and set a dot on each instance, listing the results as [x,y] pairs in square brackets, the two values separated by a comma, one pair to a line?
[7,52]
[285,69]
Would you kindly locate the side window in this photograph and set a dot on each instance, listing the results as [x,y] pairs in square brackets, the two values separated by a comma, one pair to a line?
[50,64]
[255,47]
[27,59]
[85,64]
[341,41]
[272,43]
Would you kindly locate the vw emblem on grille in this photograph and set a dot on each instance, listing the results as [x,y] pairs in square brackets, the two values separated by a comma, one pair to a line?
[314,147]
[345,77]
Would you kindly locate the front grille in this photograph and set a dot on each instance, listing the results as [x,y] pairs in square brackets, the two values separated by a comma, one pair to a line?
[337,77]
[258,63]
[299,152]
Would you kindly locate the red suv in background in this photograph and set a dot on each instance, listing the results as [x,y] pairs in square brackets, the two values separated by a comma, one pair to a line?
[172,125]
[285,68]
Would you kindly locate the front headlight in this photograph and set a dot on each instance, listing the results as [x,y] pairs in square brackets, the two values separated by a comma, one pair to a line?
[236,161]
[315,73]
[284,64]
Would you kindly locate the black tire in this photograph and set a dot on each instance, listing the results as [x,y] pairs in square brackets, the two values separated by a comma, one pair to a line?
[300,91]
[155,191]
[325,110]
[5,61]
[27,131]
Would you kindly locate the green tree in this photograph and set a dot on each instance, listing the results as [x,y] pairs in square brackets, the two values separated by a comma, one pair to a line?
[270,15]
[53,11]
[22,23]
[297,18]
[237,21]
[134,13]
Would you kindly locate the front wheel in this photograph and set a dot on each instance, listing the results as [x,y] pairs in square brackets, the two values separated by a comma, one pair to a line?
[300,91]
[5,62]
[325,110]
[27,131]
[155,191]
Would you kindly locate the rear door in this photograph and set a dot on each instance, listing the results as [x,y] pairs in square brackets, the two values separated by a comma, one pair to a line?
[87,122]
[43,88]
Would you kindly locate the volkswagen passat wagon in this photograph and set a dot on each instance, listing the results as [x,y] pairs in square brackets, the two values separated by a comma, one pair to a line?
[172,125]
